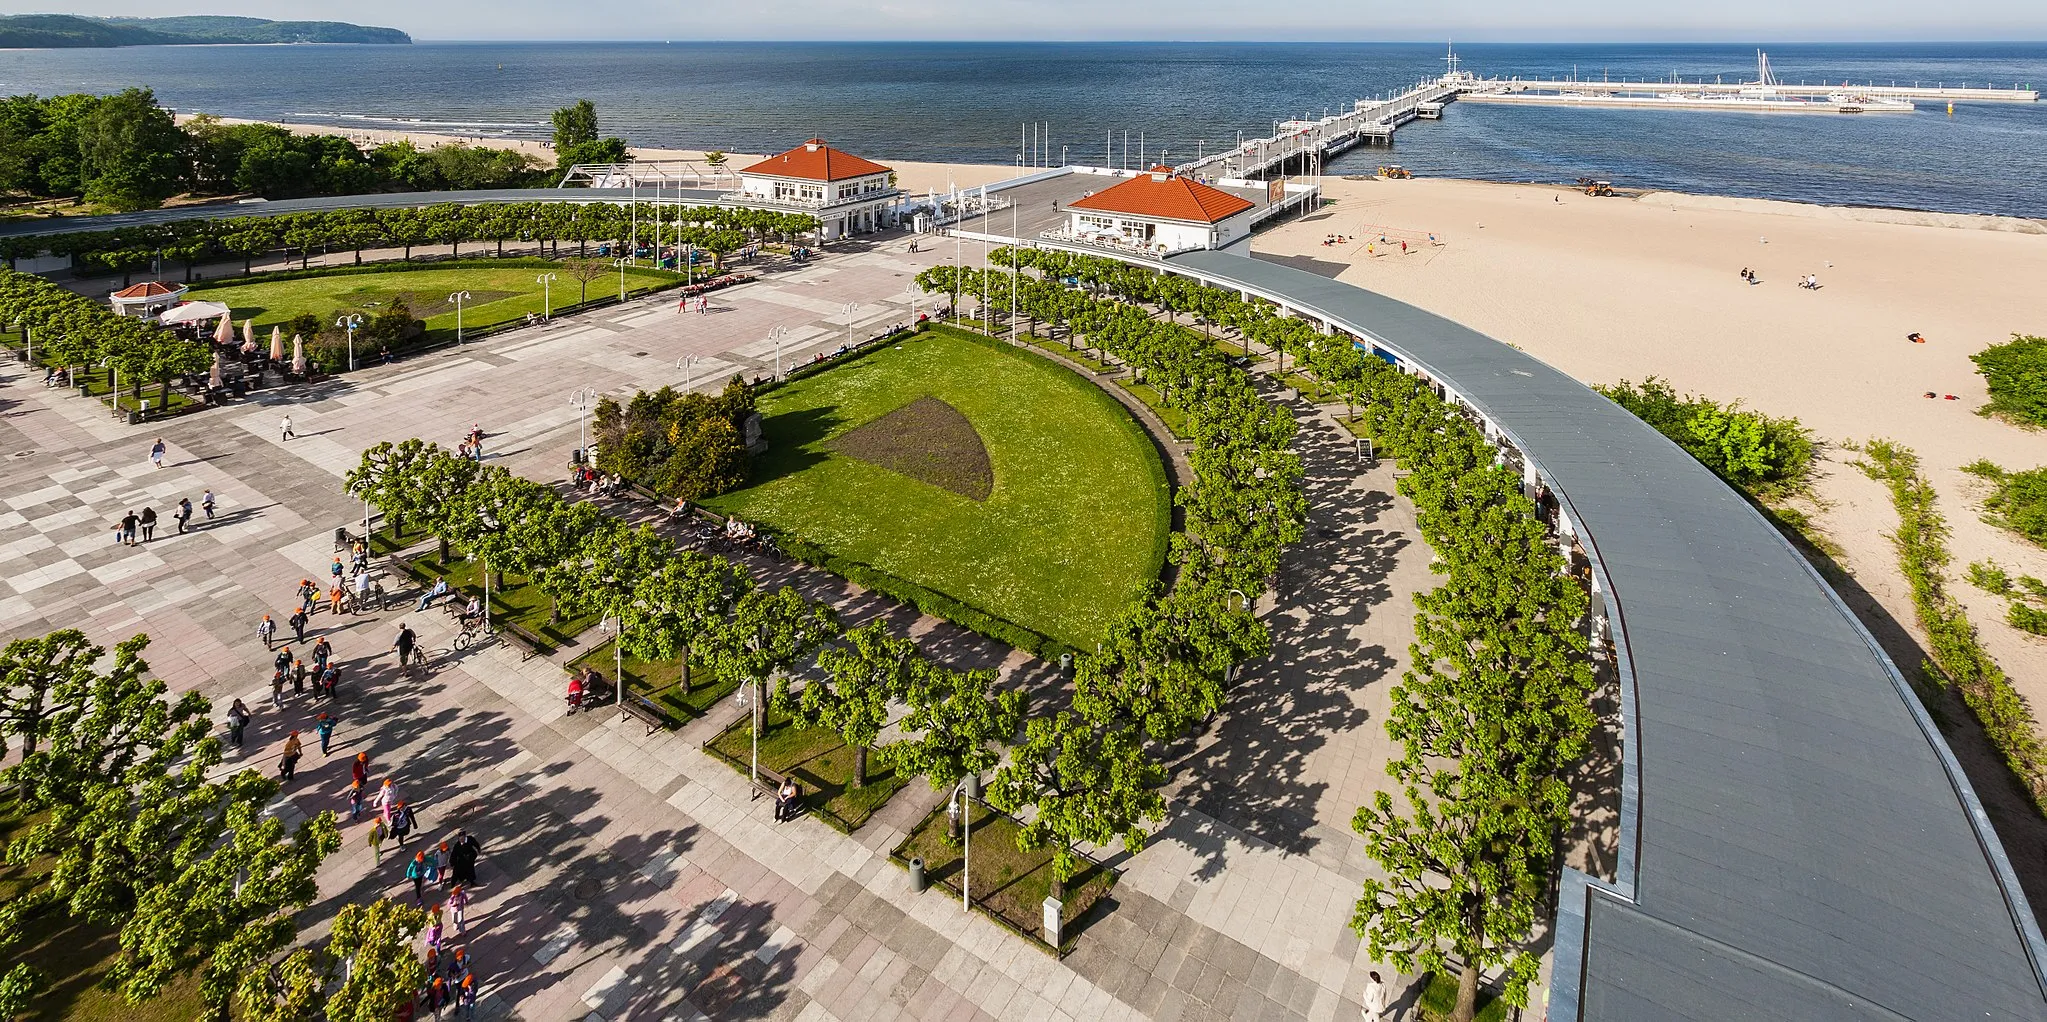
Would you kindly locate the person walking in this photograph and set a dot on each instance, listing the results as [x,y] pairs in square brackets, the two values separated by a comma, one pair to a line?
[441,862]
[183,514]
[458,905]
[284,428]
[376,840]
[433,931]
[360,770]
[156,453]
[323,651]
[415,871]
[1375,999]
[437,996]
[206,503]
[266,629]
[387,801]
[282,661]
[469,997]
[325,728]
[298,677]
[277,690]
[466,850]
[129,523]
[334,596]
[288,764]
[354,801]
[237,722]
[401,825]
[147,519]
[404,644]
[328,681]
[309,595]
[298,625]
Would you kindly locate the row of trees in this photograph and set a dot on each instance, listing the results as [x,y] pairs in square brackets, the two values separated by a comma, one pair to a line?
[125,831]
[125,152]
[71,330]
[715,229]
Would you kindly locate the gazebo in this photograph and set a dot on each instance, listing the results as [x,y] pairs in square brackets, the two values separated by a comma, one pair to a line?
[146,300]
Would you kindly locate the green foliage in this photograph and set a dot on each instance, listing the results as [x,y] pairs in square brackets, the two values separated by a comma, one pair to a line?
[2025,596]
[2016,373]
[2018,501]
[1957,657]
[381,973]
[862,676]
[956,721]
[1083,784]
[679,444]
[678,606]
[1748,449]
[39,31]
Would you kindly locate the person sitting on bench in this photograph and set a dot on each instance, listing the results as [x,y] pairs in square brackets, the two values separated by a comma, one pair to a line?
[439,590]
[786,798]
[472,612]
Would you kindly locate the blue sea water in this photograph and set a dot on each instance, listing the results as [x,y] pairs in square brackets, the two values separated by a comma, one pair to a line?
[966,102]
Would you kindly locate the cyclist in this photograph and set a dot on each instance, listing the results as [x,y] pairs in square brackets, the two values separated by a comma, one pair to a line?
[472,614]
[405,644]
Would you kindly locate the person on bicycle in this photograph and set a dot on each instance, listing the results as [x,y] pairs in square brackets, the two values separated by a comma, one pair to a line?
[472,614]
[405,644]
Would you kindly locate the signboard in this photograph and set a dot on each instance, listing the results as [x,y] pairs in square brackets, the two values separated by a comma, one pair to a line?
[1275,191]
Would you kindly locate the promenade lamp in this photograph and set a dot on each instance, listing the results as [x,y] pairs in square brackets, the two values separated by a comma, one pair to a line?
[456,300]
[851,308]
[546,282]
[775,334]
[581,399]
[959,807]
[686,363]
[349,323]
[1062,155]
[1200,149]
[911,290]
[621,264]
[490,525]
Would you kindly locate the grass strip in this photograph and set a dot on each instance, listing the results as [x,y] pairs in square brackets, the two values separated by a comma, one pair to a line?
[1010,884]
[1955,654]
[819,760]
[660,682]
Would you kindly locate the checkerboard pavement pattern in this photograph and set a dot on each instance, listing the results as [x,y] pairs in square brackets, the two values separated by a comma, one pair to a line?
[629,876]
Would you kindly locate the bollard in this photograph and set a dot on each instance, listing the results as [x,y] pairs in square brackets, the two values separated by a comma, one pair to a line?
[1053,922]
[1066,664]
[917,882]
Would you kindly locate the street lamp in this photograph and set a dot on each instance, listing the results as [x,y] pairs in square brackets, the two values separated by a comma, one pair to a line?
[581,399]
[685,363]
[775,335]
[456,300]
[960,803]
[911,289]
[349,323]
[621,264]
[1062,154]
[546,282]
[851,308]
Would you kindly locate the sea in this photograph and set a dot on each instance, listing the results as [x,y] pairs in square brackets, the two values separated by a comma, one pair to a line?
[977,102]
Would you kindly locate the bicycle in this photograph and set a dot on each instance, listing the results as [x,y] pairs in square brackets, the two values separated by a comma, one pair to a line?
[474,633]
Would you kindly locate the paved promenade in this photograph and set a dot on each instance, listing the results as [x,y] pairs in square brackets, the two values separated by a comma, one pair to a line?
[630,876]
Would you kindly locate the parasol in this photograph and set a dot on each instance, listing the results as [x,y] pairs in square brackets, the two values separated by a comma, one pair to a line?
[225,333]
[213,379]
[276,344]
[298,355]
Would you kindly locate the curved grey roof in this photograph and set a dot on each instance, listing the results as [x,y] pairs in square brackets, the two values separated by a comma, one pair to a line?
[1797,840]
[391,200]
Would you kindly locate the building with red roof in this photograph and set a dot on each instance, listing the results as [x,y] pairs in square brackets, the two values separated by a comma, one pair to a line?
[848,194]
[1160,211]
[147,300]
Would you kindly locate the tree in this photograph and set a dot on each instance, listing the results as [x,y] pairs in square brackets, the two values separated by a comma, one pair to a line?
[955,717]
[553,542]
[583,271]
[437,479]
[388,477]
[480,519]
[371,950]
[131,151]
[863,676]
[770,630]
[679,606]
[575,125]
[1083,784]
[32,673]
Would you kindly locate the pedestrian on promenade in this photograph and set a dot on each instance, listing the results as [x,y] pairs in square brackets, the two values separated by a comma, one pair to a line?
[376,840]
[360,770]
[403,645]
[325,727]
[334,597]
[433,932]
[466,850]
[387,802]
[183,514]
[401,825]
[322,652]
[206,504]
[129,523]
[458,966]
[288,764]
[284,428]
[147,519]
[335,570]
[282,661]
[1375,999]
[298,677]
[458,904]
[277,690]
[237,722]
[266,629]
[156,453]
[441,862]
[309,595]
[437,996]
[329,679]
[298,624]
[355,801]
[415,871]
[469,997]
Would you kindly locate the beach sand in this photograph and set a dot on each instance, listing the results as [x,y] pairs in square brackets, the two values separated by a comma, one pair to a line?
[1622,288]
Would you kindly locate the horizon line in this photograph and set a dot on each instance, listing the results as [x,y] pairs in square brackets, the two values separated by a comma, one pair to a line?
[1280,41]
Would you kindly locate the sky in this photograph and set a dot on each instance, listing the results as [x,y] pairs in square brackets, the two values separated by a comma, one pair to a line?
[1177,20]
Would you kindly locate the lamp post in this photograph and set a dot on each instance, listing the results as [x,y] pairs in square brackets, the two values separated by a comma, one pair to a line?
[959,801]
[911,290]
[775,334]
[580,399]
[851,308]
[546,282]
[489,525]
[685,363]
[621,264]
[456,300]
[349,323]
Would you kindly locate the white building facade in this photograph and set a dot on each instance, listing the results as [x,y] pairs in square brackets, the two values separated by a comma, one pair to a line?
[849,195]
[1161,213]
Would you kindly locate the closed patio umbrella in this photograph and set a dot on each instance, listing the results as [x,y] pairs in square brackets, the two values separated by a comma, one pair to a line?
[298,355]
[249,333]
[276,344]
[225,333]
[213,379]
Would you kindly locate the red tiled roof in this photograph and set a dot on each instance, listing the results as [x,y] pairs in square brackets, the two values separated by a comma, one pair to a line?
[147,289]
[1167,198]
[816,161]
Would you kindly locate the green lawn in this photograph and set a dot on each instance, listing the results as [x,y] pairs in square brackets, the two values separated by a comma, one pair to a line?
[499,295]
[518,602]
[661,683]
[1174,418]
[1312,390]
[1074,526]
[820,761]
[74,956]
[1008,883]
[1083,356]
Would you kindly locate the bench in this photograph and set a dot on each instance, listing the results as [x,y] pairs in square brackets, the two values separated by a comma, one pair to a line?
[530,645]
[642,709]
[766,785]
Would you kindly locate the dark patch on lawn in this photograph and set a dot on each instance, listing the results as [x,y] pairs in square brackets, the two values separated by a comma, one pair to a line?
[929,441]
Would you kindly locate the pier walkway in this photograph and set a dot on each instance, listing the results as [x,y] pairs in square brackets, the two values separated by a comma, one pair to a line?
[1306,142]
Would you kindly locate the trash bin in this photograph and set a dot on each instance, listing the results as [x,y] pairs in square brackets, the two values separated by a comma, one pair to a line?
[917,882]
[1066,663]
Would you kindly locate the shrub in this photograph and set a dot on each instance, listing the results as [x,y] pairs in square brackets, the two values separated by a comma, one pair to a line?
[1747,448]
[680,444]
[2016,372]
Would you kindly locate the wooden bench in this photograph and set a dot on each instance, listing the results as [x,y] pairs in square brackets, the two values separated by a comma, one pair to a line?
[768,782]
[530,645]
[642,709]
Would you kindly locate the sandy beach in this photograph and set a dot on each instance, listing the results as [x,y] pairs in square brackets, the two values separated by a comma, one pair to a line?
[1622,288]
